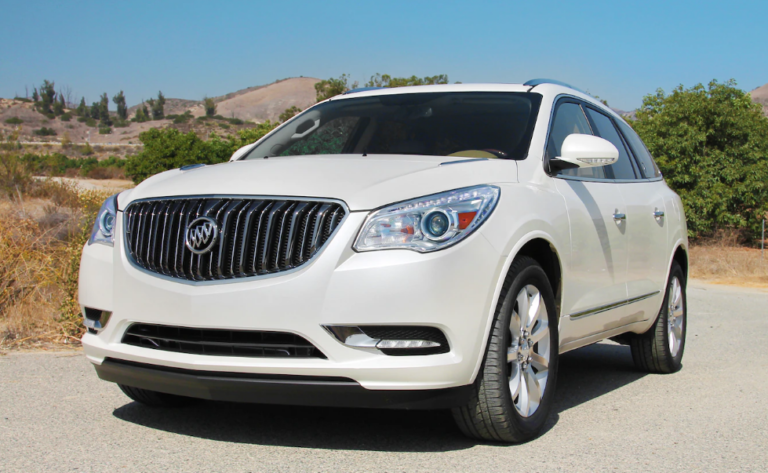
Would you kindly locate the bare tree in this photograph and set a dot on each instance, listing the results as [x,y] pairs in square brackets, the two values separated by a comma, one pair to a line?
[69,95]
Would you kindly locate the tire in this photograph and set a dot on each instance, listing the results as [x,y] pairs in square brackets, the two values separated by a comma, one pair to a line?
[156,399]
[493,413]
[660,349]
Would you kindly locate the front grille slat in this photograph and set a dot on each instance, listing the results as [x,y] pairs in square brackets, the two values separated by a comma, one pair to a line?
[256,236]
[220,342]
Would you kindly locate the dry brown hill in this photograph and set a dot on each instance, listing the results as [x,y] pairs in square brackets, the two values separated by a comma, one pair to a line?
[172,106]
[264,102]
[760,95]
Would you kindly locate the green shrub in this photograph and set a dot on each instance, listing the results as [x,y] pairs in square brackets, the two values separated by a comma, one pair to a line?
[105,130]
[183,118]
[711,145]
[224,125]
[120,123]
[65,117]
[90,122]
[235,121]
[82,119]
[86,150]
[14,121]
[45,132]
[22,99]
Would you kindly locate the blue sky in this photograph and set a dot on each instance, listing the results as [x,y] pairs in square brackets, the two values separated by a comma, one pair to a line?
[620,50]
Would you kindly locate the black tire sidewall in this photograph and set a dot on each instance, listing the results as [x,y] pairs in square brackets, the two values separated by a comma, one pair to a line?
[534,275]
[677,360]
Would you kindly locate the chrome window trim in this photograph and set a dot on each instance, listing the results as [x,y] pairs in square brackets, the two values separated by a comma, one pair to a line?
[615,305]
[233,196]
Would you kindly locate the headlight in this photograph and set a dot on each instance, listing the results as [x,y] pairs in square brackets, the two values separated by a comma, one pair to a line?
[104,226]
[428,223]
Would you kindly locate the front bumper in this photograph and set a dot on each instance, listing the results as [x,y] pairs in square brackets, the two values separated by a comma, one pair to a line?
[450,289]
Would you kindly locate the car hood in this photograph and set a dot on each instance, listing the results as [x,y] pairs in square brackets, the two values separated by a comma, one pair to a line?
[363,182]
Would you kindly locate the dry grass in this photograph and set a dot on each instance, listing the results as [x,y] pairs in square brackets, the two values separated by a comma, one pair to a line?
[43,226]
[733,265]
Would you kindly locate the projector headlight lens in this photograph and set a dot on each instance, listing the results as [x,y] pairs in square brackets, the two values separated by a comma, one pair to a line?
[428,223]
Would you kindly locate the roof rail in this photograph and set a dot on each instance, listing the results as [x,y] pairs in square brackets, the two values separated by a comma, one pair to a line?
[534,82]
[361,89]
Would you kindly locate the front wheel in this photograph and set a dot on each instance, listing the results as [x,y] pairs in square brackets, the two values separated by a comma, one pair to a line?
[515,387]
[660,349]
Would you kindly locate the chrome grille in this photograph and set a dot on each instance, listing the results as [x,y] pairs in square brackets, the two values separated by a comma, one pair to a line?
[256,236]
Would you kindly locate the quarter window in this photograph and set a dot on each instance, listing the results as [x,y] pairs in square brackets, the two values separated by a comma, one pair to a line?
[644,159]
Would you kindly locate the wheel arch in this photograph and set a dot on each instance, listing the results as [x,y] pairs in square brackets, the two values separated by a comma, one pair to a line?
[541,247]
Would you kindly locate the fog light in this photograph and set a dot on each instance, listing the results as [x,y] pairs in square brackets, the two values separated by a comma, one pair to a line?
[407,344]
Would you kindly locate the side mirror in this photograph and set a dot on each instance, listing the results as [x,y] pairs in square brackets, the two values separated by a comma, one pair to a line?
[584,151]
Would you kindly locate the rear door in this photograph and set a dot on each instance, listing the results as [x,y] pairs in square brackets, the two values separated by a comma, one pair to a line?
[647,229]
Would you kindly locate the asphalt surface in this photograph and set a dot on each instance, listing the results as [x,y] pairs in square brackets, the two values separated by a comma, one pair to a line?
[55,415]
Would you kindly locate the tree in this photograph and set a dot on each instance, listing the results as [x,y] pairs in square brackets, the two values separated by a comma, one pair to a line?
[289,113]
[142,113]
[386,80]
[122,109]
[158,107]
[210,107]
[58,106]
[35,95]
[711,144]
[82,109]
[47,96]
[326,89]
[106,121]
[95,112]
[169,149]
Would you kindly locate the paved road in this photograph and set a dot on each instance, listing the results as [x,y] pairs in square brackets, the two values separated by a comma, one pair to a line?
[712,416]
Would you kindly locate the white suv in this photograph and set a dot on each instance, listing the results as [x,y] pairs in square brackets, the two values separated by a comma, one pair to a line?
[422,247]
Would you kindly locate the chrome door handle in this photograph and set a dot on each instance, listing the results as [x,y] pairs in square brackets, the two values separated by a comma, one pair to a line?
[619,216]
[658,213]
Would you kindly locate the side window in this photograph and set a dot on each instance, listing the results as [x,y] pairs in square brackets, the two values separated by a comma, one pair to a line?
[570,119]
[605,129]
[644,160]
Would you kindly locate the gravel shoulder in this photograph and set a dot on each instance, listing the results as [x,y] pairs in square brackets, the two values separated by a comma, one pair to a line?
[55,415]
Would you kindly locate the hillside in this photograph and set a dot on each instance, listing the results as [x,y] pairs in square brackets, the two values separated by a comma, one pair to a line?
[760,95]
[253,104]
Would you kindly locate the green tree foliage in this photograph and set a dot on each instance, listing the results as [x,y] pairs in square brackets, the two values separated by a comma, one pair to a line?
[82,109]
[142,114]
[95,111]
[385,80]
[35,95]
[711,144]
[47,96]
[289,113]
[122,109]
[169,149]
[326,89]
[58,107]
[106,121]
[157,106]
[210,107]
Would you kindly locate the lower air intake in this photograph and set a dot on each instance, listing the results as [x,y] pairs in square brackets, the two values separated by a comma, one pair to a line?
[219,342]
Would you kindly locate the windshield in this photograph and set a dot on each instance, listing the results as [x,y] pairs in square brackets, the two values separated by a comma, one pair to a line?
[469,124]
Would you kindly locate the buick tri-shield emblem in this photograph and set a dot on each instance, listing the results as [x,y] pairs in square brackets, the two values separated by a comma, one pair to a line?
[201,235]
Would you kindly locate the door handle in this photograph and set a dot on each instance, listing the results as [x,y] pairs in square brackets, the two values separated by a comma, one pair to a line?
[619,216]
[658,213]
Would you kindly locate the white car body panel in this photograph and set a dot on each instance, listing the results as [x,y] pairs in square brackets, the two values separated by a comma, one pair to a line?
[455,289]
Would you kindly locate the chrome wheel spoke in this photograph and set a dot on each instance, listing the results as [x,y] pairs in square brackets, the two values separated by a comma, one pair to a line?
[534,390]
[539,362]
[523,307]
[512,354]
[542,331]
[534,311]
[675,319]
[522,399]
[514,380]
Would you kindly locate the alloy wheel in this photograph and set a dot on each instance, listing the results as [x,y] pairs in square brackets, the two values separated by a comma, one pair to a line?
[528,353]
[675,319]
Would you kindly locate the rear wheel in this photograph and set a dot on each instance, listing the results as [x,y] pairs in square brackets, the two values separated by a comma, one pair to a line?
[515,387]
[660,349]
[156,399]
